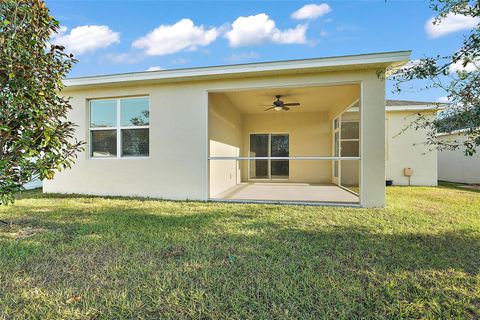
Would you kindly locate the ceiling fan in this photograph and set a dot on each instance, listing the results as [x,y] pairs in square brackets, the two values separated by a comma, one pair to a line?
[279,105]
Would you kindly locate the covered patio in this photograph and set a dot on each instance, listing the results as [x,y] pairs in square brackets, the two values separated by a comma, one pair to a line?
[288,192]
[308,152]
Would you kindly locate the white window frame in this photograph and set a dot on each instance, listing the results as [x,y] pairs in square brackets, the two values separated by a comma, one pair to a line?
[336,178]
[118,128]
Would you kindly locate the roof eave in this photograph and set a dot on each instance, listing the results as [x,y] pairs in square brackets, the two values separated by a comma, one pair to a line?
[415,108]
[375,60]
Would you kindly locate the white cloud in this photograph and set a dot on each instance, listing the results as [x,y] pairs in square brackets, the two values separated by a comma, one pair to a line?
[155,68]
[469,67]
[443,100]
[257,29]
[323,33]
[183,35]
[311,11]
[410,64]
[451,23]
[296,35]
[86,38]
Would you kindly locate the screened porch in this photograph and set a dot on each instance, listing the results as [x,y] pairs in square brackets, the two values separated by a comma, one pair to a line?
[309,153]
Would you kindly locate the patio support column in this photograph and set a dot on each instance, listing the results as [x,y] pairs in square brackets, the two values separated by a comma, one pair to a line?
[373,142]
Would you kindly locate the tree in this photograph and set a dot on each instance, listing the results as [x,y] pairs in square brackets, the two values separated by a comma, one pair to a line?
[458,74]
[35,137]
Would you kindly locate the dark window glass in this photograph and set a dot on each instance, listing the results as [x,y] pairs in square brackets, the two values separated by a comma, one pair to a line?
[259,145]
[259,148]
[280,169]
[280,145]
[104,143]
[279,148]
[135,142]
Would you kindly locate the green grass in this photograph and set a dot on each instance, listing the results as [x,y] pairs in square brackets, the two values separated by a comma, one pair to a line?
[80,257]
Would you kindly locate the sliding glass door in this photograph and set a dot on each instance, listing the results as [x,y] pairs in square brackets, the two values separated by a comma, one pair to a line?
[259,147]
[269,145]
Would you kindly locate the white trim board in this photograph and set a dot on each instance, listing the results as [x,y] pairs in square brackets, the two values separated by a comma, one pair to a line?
[360,61]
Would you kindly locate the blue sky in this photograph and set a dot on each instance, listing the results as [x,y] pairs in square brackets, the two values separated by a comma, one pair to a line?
[124,36]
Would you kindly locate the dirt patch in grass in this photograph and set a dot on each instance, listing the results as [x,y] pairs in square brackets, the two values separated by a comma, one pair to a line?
[17,232]
[174,251]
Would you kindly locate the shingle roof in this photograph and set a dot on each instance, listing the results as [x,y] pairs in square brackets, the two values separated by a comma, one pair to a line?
[400,103]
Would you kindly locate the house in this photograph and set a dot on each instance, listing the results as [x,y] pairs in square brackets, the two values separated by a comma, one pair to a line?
[33,184]
[300,131]
[406,151]
[454,165]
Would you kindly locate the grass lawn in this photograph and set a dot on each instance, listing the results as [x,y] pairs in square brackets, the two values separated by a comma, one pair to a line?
[79,257]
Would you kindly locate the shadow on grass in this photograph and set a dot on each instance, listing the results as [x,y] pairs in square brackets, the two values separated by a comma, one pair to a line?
[38,194]
[456,186]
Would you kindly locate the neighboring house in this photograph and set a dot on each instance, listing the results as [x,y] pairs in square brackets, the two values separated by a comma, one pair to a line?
[33,184]
[454,165]
[405,145]
[205,134]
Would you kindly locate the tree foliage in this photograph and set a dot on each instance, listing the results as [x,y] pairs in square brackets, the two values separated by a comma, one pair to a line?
[35,137]
[458,74]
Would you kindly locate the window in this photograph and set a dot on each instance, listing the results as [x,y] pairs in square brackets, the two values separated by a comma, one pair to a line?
[119,127]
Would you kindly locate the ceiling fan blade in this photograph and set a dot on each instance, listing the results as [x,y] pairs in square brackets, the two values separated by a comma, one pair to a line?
[292,104]
[285,108]
[268,108]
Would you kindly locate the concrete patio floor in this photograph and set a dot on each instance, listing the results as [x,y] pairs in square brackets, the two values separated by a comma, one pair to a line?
[285,191]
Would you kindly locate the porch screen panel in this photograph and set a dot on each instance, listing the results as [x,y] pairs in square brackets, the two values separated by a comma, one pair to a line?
[350,138]
[350,147]
[259,148]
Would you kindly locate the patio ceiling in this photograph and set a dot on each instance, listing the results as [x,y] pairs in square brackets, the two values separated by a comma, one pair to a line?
[311,98]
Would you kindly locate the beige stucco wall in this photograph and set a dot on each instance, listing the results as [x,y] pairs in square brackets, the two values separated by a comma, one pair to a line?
[309,134]
[408,150]
[225,140]
[177,163]
[177,167]
[454,166]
